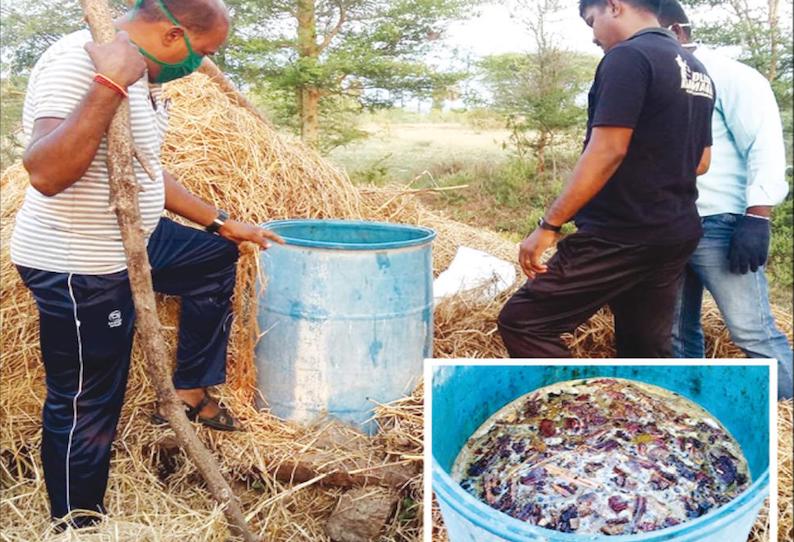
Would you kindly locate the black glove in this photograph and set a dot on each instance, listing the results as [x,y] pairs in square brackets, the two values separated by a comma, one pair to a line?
[749,245]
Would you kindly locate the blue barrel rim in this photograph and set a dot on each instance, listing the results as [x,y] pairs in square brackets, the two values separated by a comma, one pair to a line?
[510,528]
[424,235]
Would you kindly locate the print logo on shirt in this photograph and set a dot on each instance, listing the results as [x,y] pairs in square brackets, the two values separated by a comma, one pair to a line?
[695,83]
[114,319]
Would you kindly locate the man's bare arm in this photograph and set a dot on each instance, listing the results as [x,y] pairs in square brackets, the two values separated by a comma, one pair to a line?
[760,210]
[599,161]
[61,150]
[181,202]
[601,158]
[705,161]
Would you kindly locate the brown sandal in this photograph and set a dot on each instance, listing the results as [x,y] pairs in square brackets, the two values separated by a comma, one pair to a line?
[222,421]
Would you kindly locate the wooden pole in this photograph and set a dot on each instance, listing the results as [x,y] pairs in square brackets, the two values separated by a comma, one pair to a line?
[211,70]
[124,201]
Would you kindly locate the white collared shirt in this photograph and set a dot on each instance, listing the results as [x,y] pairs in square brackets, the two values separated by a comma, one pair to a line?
[748,160]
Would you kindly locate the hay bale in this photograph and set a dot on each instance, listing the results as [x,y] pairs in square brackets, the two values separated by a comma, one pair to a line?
[147,501]
[227,156]
[785,485]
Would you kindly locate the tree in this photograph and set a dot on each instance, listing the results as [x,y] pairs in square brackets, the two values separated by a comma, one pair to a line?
[762,31]
[30,28]
[307,59]
[539,92]
[336,53]
[12,93]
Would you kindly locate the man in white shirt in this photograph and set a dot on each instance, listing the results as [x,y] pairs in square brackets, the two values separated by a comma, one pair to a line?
[735,201]
[67,245]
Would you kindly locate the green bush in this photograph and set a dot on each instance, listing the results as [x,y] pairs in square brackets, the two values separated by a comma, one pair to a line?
[779,267]
[12,94]
[376,173]
[508,197]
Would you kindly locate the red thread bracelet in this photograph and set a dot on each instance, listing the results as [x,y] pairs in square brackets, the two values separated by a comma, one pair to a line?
[106,81]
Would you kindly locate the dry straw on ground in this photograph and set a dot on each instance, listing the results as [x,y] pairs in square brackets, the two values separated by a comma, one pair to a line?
[226,155]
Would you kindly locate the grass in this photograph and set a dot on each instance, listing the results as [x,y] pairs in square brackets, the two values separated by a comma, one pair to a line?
[399,149]
[498,191]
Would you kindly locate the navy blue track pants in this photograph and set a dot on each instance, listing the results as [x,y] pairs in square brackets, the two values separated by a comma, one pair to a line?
[86,328]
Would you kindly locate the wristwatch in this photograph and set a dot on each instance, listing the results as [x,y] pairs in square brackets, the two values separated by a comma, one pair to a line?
[219,221]
[542,224]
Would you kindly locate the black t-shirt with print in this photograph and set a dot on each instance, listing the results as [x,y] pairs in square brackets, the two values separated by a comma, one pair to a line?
[651,84]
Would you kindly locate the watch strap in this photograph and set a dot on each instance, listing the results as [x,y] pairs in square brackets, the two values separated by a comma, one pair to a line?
[542,224]
[219,221]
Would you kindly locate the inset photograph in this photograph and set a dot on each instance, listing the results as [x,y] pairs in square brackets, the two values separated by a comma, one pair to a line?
[563,452]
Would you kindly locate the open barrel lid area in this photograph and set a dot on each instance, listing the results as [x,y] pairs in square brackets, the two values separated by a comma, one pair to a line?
[350,234]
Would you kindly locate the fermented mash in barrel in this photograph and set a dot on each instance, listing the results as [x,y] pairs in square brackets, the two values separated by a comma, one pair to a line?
[602,456]
[464,397]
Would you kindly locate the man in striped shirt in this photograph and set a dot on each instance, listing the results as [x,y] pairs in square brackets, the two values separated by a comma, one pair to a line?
[67,245]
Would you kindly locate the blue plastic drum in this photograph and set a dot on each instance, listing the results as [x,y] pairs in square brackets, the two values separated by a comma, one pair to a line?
[347,317]
[464,397]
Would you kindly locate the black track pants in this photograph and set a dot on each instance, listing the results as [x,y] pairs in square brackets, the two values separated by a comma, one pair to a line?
[640,283]
[86,329]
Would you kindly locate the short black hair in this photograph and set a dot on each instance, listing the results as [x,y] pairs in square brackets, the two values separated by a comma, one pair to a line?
[652,6]
[197,15]
[672,13]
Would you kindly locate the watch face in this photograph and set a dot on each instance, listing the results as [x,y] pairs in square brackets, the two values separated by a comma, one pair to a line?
[218,222]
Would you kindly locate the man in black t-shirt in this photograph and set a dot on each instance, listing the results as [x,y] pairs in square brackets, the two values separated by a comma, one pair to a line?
[632,195]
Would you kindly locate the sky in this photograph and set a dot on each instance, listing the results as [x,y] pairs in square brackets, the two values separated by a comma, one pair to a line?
[495,31]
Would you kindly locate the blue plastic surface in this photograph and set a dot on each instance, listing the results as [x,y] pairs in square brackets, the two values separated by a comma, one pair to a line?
[347,316]
[351,235]
[464,397]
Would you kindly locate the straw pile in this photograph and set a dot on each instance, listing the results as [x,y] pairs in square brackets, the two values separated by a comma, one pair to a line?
[225,155]
[466,328]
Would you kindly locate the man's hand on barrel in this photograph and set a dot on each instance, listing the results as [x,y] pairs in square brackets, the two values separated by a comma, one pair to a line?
[239,232]
[119,60]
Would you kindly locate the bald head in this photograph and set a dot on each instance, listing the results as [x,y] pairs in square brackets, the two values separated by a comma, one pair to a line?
[172,43]
[199,16]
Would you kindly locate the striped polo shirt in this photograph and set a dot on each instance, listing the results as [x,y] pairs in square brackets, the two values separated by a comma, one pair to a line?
[75,231]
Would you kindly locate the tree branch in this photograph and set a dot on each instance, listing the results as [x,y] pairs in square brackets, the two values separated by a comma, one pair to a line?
[335,30]
[124,199]
[211,70]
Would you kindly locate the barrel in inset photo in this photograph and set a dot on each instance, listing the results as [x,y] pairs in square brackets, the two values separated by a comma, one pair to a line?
[521,475]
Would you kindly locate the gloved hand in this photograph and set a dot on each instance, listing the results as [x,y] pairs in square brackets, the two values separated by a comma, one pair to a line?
[749,245]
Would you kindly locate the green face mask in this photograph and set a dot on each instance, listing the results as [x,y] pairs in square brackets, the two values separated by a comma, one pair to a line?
[169,72]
